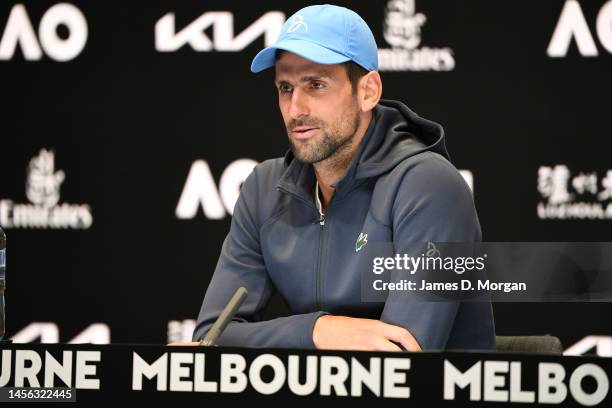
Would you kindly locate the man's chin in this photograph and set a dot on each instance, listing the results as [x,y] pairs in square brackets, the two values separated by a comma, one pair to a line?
[304,157]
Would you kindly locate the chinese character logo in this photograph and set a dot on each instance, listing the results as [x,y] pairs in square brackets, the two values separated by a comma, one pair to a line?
[575,196]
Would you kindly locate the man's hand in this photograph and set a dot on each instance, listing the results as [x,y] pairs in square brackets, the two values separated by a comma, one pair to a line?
[348,333]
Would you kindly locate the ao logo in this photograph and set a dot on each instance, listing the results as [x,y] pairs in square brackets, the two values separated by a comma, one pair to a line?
[19,30]
[572,24]
[295,23]
[48,332]
[599,345]
[200,190]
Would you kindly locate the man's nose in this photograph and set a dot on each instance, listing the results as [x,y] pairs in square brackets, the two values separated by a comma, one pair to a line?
[299,104]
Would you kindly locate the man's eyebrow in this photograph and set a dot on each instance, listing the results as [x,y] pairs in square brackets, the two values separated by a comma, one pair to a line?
[306,78]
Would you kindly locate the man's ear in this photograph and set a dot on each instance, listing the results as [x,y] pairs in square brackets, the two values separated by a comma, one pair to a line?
[370,87]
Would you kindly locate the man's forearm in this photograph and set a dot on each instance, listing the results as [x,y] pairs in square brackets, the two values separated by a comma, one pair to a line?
[291,332]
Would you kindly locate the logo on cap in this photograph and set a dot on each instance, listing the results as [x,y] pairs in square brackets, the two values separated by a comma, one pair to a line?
[296,22]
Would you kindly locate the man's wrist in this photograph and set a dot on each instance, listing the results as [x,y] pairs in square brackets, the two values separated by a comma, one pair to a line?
[316,329]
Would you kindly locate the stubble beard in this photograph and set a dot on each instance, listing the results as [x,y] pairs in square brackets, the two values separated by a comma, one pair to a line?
[332,141]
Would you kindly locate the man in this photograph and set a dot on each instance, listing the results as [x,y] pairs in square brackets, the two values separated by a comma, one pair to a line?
[359,170]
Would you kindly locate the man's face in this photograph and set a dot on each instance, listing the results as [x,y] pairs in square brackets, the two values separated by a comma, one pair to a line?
[319,108]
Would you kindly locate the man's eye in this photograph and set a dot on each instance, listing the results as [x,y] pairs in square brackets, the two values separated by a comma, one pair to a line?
[284,88]
[317,85]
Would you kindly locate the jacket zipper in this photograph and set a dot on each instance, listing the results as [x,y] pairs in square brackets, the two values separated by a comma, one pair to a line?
[321,222]
[320,260]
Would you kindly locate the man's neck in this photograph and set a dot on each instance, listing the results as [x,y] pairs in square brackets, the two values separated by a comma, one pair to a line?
[332,169]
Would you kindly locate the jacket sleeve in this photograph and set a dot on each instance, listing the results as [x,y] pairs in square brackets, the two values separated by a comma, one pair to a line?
[241,264]
[433,203]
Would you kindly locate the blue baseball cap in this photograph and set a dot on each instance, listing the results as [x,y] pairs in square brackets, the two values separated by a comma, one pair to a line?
[324,34]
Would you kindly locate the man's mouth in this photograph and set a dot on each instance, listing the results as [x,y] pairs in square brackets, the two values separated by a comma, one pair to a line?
[303,132]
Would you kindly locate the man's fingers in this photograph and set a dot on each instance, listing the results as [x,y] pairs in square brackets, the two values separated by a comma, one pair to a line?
[402,336]
[348,333]
[382,344]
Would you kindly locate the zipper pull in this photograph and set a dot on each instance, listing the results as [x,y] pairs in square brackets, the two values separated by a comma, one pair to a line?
[321,218]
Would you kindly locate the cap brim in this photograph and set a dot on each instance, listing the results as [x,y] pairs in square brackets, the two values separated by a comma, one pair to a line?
[305,49]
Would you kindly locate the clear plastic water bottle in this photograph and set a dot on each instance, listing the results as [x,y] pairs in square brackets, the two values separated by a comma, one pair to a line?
[2,280]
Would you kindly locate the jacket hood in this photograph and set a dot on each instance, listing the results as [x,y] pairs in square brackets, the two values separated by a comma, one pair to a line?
[394,134]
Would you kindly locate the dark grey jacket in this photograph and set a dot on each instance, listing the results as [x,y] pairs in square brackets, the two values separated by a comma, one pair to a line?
[400,187]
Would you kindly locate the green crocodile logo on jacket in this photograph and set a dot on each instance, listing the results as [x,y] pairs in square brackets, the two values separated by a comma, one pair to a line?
[362,239]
